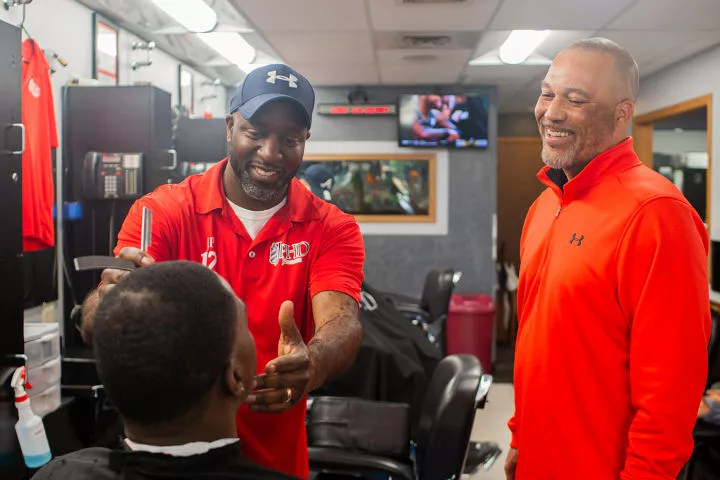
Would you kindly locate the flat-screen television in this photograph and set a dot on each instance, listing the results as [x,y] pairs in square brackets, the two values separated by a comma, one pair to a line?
[454,121]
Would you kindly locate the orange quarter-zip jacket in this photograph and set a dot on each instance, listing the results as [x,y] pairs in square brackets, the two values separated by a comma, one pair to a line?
[614,313]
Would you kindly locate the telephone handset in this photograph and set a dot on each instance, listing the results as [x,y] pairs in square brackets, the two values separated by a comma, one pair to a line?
[112,175]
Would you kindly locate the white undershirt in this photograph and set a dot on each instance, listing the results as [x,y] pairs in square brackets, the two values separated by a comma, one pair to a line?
[186,450]
[253,220]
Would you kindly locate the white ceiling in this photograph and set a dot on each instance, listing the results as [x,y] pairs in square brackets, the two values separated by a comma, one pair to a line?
[361,42]
[351,42]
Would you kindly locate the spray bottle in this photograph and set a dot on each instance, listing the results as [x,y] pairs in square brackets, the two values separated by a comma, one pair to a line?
[30,429]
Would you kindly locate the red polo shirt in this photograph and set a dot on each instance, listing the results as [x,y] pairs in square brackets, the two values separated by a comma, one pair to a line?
[38,115]
[308,246]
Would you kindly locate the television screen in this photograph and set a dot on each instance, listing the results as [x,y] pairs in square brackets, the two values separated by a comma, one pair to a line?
[456,121]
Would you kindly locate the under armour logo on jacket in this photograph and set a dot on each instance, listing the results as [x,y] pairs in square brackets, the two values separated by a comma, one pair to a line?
[273,76]
[577,239]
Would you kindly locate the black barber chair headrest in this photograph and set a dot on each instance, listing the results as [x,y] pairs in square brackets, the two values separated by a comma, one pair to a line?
[437,291]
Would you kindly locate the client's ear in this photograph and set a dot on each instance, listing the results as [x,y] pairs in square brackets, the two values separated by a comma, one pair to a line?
[234,382]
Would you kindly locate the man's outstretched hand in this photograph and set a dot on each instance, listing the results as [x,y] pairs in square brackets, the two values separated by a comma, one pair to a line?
[287,378]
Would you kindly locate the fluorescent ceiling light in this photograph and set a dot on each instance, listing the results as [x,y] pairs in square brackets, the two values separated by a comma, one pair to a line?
[520,44]
[194,15]
[230,45]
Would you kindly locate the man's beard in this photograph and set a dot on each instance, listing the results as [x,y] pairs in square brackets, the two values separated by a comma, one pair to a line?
[262,192]
[559,159]
[579,155]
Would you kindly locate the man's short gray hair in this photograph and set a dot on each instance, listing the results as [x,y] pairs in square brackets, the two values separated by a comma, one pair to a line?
[625,65]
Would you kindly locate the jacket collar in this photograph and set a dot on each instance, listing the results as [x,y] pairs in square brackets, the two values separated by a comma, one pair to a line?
[209,195]
[609,163]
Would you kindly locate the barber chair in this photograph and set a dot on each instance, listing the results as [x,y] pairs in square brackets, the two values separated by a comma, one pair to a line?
[707,435]
[456,390]
[431,310]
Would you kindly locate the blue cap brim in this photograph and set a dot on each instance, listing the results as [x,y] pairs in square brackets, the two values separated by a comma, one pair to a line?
[251,107]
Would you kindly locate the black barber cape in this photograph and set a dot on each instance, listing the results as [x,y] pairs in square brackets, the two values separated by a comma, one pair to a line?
[394,362]
[223,463]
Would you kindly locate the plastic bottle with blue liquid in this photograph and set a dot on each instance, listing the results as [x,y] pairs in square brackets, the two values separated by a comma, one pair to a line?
[30,429]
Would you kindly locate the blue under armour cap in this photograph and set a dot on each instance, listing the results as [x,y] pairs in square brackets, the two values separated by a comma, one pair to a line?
[270,83]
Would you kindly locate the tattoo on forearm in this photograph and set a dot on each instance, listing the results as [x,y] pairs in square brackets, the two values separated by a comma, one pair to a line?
[336,340]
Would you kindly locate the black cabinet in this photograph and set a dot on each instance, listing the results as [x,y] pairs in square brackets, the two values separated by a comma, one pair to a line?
[122,119]
[11,268]
[11,146]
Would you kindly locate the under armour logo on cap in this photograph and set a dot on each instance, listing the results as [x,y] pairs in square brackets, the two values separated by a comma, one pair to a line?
[270,83]
[291,79]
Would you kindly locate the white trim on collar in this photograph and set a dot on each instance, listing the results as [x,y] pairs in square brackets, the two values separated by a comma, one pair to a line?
[187,450]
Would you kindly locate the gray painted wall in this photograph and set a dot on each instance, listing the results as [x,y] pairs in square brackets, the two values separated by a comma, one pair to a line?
[517,125]
[399,263]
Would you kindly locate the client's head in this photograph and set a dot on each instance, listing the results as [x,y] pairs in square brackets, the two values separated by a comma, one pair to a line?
[174,353]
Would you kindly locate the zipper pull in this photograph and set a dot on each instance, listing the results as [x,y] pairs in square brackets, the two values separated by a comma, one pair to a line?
[558,211]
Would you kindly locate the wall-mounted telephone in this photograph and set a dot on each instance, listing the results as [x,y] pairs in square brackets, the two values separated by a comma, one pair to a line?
[112,175]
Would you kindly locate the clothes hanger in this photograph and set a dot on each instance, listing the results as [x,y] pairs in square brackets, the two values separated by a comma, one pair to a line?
[22,25]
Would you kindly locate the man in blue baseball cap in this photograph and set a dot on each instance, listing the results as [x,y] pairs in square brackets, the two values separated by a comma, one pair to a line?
[279,95]
[250,220]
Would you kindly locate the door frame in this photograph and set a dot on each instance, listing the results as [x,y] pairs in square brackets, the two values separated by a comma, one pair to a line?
[643,141]
[643,135]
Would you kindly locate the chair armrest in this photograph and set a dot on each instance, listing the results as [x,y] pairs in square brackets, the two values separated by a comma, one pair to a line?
[400,298]
[337,460]
[414,310]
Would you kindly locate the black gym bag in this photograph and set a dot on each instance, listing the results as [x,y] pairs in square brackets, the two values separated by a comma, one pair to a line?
[395,360]
[365,426]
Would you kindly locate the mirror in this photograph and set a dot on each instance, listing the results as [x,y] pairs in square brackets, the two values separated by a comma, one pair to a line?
[105,51]
[675,142]
[374,188]
[187,90]
[680,153]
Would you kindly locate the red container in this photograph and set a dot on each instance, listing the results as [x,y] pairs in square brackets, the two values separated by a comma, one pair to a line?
[470,325]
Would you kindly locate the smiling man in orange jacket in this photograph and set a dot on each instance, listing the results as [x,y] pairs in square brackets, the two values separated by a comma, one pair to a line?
[613,297]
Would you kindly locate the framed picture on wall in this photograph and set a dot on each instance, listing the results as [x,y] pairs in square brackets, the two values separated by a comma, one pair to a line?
[186,90]
[376,187]
[104,50]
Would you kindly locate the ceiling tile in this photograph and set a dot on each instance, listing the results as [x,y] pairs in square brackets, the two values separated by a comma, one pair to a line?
[351,47]
[556,14]
[339,74]
[648,45]
[558,40]
[670,15]
[667,59]
[304,16]
[516,75]
[490,41]
[440,55]
[392,15]
[430,73]
[385,40]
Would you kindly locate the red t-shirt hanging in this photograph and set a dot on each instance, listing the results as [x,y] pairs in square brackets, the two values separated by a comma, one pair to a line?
[38,116]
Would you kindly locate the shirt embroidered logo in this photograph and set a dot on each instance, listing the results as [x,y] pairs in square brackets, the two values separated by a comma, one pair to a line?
[282,253]
[34,88]
[209,257]
[273,76]
[577,239]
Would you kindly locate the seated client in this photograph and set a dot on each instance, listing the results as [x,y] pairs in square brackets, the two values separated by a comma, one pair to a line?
[177,360]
